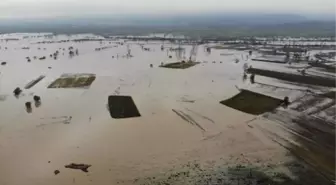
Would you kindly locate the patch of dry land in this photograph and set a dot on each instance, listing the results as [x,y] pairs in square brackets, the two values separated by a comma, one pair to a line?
[181,134]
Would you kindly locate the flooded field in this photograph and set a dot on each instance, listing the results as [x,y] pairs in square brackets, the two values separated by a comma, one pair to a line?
[114,116]
[252,103]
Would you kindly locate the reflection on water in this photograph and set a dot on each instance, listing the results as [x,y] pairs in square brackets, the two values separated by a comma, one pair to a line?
[29,110]
[37,104]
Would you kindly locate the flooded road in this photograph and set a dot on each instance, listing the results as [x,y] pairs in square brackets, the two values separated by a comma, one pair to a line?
[73,125]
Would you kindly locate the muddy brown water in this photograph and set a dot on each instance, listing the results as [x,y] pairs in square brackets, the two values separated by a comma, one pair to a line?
[73,125]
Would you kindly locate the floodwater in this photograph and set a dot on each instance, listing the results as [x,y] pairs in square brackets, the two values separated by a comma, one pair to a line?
[75,126]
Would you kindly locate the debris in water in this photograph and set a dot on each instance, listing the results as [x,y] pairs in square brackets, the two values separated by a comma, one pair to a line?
[34,82]
[56,172]
[17,91]
[28,107]
[37,98]
[3,63]
[67,121]
[59,117]
[183,99]
[286,101]
[57,120]
[37,101]
[83,167]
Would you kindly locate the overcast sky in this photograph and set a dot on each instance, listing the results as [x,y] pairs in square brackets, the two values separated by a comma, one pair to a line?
[52,8]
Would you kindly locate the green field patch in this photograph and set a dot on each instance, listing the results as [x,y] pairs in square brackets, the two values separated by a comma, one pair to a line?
[73,81]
